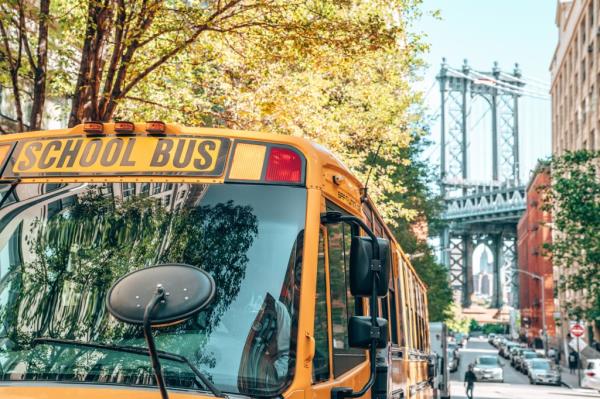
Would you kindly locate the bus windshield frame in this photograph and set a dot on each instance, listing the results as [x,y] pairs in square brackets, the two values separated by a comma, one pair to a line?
[63,244]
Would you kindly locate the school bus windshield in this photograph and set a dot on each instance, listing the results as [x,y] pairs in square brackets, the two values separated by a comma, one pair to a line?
[63,245]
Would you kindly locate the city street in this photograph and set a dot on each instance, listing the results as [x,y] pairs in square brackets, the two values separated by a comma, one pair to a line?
[516,385]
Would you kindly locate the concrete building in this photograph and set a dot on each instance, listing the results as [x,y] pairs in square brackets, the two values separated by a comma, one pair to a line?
[575,71]
[533,231]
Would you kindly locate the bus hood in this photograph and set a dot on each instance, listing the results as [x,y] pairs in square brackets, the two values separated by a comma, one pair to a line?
[72,391]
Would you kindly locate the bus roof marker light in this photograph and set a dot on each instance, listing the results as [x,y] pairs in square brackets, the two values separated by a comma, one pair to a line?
[284,165]
[93,128]
[124,128]
[247,162]
[156,128]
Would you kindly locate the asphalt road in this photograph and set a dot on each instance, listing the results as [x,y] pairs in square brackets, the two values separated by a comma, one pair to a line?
[516,385]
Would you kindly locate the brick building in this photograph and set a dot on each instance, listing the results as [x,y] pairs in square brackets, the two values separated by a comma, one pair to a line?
[533,231]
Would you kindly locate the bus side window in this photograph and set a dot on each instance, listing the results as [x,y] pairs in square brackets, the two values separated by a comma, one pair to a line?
[343,305]
[321,333]
[393,320]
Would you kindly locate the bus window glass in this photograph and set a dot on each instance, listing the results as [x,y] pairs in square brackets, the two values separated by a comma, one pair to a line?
[368,215]
[342,305]
[321,333]
[393,316]
[56,268]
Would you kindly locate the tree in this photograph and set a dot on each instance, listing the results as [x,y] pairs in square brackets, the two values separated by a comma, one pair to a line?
[103,50]
[416,178]
[346,86]
[573,198]
[23,57]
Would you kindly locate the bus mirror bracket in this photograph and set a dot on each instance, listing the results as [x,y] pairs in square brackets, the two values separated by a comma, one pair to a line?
[157,296]
[376,273]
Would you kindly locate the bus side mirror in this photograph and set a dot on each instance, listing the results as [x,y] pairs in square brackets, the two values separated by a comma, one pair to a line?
[360,332]
[361,256]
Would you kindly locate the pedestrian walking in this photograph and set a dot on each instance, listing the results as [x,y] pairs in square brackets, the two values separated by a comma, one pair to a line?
[470,379]
[573,361]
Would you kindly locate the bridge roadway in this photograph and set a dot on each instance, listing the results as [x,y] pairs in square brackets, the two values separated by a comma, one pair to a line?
[515,386]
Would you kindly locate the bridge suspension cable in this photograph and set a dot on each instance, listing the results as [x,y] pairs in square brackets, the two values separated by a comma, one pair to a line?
[488,80]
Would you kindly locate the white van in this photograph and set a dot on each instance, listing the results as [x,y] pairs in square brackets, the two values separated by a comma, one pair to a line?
[438,333]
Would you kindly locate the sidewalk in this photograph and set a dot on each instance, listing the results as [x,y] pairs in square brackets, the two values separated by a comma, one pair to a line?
[569,379]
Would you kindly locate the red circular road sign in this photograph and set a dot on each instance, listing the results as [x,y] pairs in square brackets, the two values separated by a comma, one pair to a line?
[577,330]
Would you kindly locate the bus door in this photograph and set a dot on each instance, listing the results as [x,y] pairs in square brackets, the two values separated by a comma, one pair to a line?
[335,364]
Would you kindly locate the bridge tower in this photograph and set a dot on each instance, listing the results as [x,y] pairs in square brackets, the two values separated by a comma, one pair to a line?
[480,212]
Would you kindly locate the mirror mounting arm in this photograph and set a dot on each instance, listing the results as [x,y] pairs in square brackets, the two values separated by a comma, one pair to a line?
[332,217]
[158,296]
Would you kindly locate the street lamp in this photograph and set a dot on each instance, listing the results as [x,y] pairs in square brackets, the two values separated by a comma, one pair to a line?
[541,280]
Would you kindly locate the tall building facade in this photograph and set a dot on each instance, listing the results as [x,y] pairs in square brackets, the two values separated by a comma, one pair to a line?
[533,231]
[575,71]
[575,87]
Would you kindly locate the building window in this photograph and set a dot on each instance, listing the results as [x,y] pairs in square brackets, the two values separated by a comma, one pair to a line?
[128,189]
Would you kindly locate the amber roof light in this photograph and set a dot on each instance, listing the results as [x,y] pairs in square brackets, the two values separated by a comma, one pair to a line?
[155,128]
[93,128]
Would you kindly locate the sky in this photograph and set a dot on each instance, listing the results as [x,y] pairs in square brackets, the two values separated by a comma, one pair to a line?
[484,31]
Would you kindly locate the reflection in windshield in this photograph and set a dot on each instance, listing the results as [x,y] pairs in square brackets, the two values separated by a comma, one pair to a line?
[62,246]
[488,361]
[541,365]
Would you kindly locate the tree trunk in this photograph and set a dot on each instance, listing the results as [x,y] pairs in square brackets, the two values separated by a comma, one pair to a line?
[14,76]
[81,88]
[40,70]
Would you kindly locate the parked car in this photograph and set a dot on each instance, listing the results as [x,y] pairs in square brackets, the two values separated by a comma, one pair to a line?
[489,368]
[461,339]
[515,352]
[591,377]
[520,360]
[526,363]
[499,340]
[452,361]
[491,338]
[506,347]
[454,348]
[543,371]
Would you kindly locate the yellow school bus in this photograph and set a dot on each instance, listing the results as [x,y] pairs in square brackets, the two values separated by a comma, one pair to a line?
[140,260]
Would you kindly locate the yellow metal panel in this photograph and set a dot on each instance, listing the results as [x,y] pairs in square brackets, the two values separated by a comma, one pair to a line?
[119,155]
[248,162]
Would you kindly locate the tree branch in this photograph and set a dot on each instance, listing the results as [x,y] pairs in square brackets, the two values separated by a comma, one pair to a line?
[40,70]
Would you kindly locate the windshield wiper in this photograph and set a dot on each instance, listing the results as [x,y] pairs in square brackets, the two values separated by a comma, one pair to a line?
[137,350]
